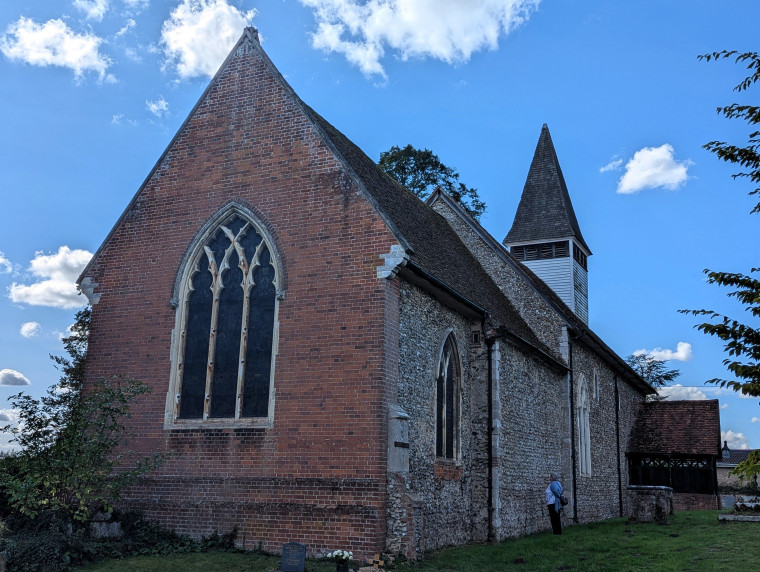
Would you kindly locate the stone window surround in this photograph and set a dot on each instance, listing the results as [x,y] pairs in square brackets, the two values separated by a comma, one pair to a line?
[456,355]
[584,427]
[181,285]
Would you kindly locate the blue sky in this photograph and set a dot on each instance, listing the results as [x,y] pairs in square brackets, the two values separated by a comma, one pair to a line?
[93,90]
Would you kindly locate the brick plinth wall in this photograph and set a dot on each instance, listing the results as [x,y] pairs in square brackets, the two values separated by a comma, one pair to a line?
[693,501]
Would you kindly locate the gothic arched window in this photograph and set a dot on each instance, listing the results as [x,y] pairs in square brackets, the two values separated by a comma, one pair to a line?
[226,324]
[447,401]
[584,428]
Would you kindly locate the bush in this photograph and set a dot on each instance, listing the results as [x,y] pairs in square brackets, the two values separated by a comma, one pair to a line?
[50,542]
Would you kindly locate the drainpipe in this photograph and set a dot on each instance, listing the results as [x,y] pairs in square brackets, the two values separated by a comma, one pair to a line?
[572,425]
[489,344]
[490,341]
[617,438]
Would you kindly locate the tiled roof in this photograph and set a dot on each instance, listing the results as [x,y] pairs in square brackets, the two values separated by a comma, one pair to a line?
[435,247]
[735,457]
[583,334]
[545,211]
[682,427]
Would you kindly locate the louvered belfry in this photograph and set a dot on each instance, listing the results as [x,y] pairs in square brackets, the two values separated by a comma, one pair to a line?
[545,235]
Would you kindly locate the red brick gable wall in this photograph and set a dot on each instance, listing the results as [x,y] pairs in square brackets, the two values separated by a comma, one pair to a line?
[318,476]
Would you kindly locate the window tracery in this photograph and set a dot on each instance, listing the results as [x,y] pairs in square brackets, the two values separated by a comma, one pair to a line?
[227,324]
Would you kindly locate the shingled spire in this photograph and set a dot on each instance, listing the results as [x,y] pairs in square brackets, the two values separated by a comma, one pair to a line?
[545,234]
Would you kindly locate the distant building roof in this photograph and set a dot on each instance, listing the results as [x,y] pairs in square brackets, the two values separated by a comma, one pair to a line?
[677,427]
[735,456]
[545,211]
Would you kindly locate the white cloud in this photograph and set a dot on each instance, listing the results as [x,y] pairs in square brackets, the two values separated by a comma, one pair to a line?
[611,166]
[653,167]
[5,265]
[12,377]
[120,119]
[756,420]
[8,415]
[133,55]
[57,285]
[54,44]
[30,329]
[447,30]
[735,440]
[129,25]
[93,9]
[136,4]
[724,406]
[680,392]
[200,33]
[159,107]
[683,353]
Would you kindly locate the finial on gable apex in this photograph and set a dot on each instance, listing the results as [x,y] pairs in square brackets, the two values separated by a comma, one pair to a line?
[545,126]
[252,34]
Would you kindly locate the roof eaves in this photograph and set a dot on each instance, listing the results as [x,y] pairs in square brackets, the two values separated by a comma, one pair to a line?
[571,320]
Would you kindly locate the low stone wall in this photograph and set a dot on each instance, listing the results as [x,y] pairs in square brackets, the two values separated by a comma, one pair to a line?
[693,501]
[650,504]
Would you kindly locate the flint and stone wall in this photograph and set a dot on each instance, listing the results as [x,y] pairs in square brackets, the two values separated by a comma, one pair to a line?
[437,502]
[600,494]
[533,440]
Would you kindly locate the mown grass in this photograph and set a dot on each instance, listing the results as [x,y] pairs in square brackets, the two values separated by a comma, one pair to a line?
[692,541]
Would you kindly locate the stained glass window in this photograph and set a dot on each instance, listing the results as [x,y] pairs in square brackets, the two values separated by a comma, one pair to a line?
[228,314]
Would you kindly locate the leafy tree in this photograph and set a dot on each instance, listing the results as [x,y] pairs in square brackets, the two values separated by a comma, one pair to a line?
[742,341]
[653,371]
[70,462]
[421,171]
[748,156]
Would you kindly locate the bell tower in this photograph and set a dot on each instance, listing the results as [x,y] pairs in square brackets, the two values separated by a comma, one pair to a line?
[545,235]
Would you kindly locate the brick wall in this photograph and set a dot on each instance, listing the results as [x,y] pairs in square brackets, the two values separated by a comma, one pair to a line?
[318,474]
[694,501]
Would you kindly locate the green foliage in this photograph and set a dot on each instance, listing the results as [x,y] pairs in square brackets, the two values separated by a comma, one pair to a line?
[421,171]
[53,543]
[748,156]
[651,370]
[749,469]
[70,463]
[741,341]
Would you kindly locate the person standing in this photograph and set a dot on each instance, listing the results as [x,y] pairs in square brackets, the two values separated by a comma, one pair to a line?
[554,502]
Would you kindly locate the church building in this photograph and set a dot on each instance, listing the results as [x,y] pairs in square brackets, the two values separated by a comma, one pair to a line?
[335,362]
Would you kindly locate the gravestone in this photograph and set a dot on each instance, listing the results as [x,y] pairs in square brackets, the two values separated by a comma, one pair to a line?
[293,557]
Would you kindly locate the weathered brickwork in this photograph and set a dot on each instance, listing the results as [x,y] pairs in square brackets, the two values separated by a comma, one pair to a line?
[694,501]
[249,142]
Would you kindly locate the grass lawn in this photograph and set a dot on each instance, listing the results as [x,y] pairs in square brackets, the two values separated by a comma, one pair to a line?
[692,541]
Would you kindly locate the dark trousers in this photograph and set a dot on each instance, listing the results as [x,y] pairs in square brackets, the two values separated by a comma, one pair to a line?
[554,517]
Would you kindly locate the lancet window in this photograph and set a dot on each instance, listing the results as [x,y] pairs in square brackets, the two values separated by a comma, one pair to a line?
[448,386]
